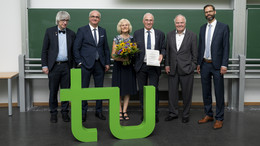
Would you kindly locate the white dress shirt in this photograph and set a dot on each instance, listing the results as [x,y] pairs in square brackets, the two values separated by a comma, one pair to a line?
[152,34]
[179,39]
[92,30]
[213,26]
[63,53]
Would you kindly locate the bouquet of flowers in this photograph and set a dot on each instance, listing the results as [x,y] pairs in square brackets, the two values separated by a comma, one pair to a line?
[126,49]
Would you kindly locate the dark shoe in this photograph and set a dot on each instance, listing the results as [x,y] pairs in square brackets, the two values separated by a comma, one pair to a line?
[185,120]
[218,124]
[125,116]
[157,119]
[170,118]
[205,120]
[65,117]
[53,119]
[84,117]
[100,116]
[142,118]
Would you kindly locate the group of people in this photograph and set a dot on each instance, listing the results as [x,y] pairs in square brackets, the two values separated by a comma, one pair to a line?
[89,50]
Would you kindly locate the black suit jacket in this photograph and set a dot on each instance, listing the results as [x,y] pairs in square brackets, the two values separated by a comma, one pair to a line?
[159,45]
[50,47]
[219,45]
[186,58]
[84,49]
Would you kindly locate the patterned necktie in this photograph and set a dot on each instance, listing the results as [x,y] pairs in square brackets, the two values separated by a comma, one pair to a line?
[95,38]
[148,40]
[208,43]
[95,35]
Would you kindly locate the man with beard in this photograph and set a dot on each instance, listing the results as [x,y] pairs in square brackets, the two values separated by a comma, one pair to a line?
[213,61]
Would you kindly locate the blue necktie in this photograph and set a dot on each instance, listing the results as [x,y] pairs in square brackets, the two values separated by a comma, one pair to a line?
[208,43]
[95,35]
[95,38]
[148,40]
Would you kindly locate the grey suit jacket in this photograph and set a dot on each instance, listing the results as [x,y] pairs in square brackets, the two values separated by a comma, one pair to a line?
[184,60]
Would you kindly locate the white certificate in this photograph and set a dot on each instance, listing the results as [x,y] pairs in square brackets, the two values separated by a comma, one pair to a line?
[153,57]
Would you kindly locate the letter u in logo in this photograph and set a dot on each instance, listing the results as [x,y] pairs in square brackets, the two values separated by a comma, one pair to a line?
[76,94]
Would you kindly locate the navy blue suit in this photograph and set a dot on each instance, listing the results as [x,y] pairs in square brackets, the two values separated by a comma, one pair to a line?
[219,56]
[84,51]
[145,73]
[59,74]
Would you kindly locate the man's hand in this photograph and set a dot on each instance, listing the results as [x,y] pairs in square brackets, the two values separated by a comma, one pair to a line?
[45,70]
[167,69]
[160,58]
[198,69]
[223,70]
[107,68]
[79,65]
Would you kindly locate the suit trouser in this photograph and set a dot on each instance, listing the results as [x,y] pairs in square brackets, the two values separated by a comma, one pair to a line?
[207,71]
[148,73]
[98,72]
[186,83]
[58,76]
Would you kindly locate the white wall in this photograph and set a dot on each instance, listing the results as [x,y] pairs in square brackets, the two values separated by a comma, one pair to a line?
[129,4]
[12,42]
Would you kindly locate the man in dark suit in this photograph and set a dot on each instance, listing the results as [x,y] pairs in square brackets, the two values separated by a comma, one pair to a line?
[180,63]
[153,39]
[57,61]
[213,61]
[91,53]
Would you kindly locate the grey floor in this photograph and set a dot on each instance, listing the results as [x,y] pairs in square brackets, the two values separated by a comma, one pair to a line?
[33,128]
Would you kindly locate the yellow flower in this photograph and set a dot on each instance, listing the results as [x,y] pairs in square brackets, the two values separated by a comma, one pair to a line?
[122,44]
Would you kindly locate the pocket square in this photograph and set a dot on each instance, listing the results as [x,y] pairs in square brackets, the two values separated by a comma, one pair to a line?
[102,36]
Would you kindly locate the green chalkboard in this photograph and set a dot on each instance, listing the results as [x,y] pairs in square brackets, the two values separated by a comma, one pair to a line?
[40,19]
[253,31]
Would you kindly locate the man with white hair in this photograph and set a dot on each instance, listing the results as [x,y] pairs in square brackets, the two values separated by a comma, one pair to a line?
[148,38]
[180,63]
[57,62]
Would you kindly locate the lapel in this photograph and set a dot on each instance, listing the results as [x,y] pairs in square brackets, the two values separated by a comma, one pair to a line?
[156,39]
[55,38]
[215,32]
[90,34]
[203,35]
[173,41]
[186,36]
[142,39]
[68,41]
[100,33]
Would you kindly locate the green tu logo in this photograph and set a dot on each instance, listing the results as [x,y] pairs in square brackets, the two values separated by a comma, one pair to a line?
[76,94]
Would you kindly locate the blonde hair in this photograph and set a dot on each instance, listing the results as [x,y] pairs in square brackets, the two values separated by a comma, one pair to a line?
[118,28]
